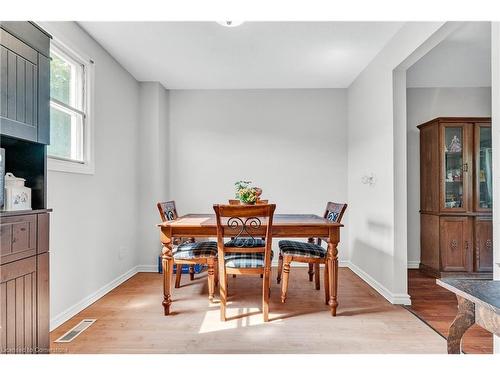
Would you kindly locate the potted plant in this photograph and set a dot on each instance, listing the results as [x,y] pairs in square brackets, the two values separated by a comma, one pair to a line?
[246,193]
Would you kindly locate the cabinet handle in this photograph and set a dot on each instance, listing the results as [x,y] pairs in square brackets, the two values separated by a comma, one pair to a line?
[466,167]
[466,245]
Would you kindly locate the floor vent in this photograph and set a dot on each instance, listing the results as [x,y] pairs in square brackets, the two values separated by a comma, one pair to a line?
[76,330]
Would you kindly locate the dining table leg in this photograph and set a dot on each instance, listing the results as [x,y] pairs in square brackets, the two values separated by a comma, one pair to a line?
[466,317]
[326,285]
[168,270]
[333,269]
[211,278]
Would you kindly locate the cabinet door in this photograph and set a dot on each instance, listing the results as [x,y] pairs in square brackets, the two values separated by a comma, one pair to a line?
[429,169]
[456,167]
[483,192]
[456,244]
[18,293]
[43,99]
[19,88]
[483,232]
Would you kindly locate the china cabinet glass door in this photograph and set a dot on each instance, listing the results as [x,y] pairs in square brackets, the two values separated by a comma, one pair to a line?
[484,181]
[455,168]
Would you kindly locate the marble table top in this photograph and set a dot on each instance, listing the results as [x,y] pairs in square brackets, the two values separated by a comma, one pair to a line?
[484,292]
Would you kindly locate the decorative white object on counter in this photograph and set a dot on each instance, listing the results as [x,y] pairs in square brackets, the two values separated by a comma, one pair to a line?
[17,196]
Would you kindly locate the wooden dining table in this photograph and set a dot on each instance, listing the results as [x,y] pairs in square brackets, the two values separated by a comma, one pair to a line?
[284,226]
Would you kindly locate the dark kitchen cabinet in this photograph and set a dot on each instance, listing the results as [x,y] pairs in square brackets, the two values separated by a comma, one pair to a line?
[24,283]
[24,235]
[25,82]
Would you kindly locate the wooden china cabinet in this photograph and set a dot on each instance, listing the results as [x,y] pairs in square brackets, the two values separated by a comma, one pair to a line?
[456,197]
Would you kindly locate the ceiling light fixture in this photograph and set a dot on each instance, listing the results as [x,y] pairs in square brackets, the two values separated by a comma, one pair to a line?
[230,23]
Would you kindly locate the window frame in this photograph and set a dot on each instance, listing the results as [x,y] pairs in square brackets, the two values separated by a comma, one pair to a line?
[87,165]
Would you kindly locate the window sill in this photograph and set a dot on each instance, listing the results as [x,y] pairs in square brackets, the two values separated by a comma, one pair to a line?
[58,165]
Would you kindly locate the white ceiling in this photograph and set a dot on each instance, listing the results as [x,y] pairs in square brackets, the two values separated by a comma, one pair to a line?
[461,60]
[206,55]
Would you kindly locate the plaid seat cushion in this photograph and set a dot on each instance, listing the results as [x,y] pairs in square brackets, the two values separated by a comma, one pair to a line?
[190,250]
[246,242]
[302,249]
[244,260]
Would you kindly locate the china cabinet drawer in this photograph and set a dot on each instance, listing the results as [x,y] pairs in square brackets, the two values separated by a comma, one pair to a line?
[18,238]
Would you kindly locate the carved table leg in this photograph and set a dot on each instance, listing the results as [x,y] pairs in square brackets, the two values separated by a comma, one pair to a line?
[211,278]
[168,270]
[333,274]
[326,285]
[286,275]
[463,321]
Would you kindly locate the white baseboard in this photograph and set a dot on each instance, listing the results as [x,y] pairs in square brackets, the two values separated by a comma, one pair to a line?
[147,268]
[90,299]
[413,264]
[394,298]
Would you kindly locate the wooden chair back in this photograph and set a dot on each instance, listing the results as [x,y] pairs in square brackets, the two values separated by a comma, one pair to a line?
[335,211]
[167,210]
[247,223]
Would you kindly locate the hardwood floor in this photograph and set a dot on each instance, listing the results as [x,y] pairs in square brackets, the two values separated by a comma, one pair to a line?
[438,308]
[130,320]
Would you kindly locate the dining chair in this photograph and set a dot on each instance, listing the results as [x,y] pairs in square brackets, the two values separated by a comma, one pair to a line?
[237,202]
[246,253]
[308,252]
[190,252]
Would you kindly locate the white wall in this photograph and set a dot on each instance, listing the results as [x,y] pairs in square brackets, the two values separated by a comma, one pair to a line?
[153,167]
[373,253]
[292,143]
[424,104]
[96,215]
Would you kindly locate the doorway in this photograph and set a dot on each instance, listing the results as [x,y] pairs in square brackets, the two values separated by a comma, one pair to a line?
[452,80]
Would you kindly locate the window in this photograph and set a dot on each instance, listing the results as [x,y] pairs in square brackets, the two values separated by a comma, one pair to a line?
[70,142]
